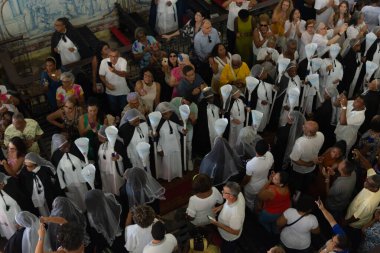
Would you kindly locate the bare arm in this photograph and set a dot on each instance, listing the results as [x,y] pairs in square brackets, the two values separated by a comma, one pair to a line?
[52,118]
[326,213]
[226,228]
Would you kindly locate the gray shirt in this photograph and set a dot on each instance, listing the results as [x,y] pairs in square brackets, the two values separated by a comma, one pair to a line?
[340,192]
[204,43]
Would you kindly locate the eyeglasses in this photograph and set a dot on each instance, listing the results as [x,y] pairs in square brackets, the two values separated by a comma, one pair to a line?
[227,193]
[209,39]
[263,25]
[173,55]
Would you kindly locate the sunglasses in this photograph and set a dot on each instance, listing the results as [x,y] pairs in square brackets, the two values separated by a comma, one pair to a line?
[173,55]
[263,25]
[209,39]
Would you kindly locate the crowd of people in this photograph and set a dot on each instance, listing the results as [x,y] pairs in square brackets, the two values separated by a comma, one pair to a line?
[309,75]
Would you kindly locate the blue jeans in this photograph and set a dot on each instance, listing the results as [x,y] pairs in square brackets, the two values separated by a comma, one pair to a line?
[116,104]
[268,221]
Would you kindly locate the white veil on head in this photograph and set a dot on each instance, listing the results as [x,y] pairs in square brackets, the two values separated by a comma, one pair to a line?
[103,212]
[246,142]
[130,115]
[65,208]
[39,161]
[221,163]
[296,131]
[30,237]
[57,141]
[141,187]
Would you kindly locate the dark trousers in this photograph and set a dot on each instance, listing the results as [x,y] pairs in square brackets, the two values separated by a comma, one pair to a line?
[116,104]
[228,246]
[231,38]
[301,182]
[355,236]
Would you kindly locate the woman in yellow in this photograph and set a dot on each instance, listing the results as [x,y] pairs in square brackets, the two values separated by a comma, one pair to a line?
[280,15]
[244,25]
[235,73]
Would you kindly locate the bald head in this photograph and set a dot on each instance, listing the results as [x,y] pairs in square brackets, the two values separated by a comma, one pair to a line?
[310,128]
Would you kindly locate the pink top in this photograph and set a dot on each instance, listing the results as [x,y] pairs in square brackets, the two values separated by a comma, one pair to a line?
[177,74]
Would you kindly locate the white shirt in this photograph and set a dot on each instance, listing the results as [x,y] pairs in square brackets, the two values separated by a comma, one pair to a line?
[322,40]
[292,27]
[297,236]
[371,15]
[119,82]
[306,149]
[136,238]
[258,168]
[232,215]
[199,208]
[167,245]
[233,11]
[324,16]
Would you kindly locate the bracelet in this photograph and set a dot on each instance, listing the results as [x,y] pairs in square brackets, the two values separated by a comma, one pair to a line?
[40,239]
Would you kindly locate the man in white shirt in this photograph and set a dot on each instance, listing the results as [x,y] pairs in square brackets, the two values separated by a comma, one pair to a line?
[257,171]
[352,116]
[231,217]
[161,242]
[304,155]
[233,7]
[324,37]
[112,72]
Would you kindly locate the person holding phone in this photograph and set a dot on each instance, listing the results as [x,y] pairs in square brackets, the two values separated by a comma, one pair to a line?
[113,73]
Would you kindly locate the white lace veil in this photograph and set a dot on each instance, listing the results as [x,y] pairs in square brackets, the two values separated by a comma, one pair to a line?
[30,237]
[57,141]
[296,131]
[141,187]
[221,163]
[103,212]
[246,142]
[39,161]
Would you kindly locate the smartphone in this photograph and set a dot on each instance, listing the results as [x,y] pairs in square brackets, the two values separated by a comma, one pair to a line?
[210,218]
[109,64]
[165,61]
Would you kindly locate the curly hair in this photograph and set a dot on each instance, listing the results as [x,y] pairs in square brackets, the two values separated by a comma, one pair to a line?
[143,215]
[70,236]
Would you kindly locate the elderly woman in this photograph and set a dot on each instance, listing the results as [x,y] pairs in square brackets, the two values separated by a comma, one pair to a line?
[64,208]
[103,214]
[112,160]
[235,73]
[69,163]
[140,188]
[139,234]
[203,201]
[26,237]
[39,181]
[69,89]
[135,102]
[50,80]
[67,118]
[324,37]
[142,47]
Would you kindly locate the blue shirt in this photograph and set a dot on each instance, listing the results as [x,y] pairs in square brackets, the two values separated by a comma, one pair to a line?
[337,230]
[204,43]
[186,87]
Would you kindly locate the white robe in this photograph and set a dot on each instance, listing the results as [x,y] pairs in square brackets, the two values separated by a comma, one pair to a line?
[284,113]
[167,17]
[7,218]
[237,112]
[72,180]
[212,116]
[170,164]
[111,180]
[264,93]
[131,149]
[330,76]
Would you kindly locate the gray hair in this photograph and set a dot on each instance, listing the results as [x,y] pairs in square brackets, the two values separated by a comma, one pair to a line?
[132,96]
[319,26]
[234,188]
[68,75]
[291,42]
[236,57]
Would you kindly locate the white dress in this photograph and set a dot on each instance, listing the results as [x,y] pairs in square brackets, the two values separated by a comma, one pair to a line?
[264,93]
[138,136]
[169,165]
[330,76]
[167,17]
[112,179]
[268,66]
[212,116]
[7,217]
[237,112]
[296,83]
[72,179]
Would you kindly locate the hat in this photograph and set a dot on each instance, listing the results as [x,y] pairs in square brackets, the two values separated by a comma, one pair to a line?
[341,145]
[310,49]
[164,107]
[334,50]
[207,92]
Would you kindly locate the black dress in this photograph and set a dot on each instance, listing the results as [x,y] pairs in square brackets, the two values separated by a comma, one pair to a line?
[14,244]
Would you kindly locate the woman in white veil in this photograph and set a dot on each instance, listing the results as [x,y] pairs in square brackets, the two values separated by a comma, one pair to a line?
[103,213]
[246,142]
[30,237]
